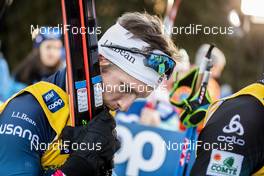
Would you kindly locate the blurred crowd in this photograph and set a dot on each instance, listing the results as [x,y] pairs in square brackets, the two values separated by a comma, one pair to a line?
[46,57]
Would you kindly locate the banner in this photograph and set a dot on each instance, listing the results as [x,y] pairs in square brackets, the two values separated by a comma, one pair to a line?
[148,151]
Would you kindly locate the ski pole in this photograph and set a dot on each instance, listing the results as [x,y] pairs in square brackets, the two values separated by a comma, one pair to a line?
[200,100]
[171,13]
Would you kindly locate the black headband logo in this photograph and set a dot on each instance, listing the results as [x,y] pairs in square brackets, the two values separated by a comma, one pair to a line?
[124,54]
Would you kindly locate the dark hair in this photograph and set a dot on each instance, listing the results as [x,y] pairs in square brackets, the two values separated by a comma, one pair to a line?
[149,28]
[31,69]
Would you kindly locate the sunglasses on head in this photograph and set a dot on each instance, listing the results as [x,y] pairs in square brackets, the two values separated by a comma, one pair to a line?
[161,63]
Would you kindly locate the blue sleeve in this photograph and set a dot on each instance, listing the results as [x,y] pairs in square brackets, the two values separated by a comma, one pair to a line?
[23,125]
[58,78]
[4,80]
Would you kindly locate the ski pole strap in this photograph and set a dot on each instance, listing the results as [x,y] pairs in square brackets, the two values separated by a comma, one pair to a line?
[194,112]
[184,89]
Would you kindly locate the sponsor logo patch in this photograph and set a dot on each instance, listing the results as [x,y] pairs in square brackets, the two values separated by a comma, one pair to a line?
[53,101]
[234,127]
[224,163]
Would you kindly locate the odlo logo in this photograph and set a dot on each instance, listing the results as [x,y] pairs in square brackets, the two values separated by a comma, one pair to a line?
[53,101]
[224,163]
[234,127]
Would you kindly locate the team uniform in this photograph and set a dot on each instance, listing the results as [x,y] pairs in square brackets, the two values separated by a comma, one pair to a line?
[30,121]
[232,141]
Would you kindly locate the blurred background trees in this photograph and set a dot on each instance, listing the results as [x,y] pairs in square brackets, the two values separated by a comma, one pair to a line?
[245,54]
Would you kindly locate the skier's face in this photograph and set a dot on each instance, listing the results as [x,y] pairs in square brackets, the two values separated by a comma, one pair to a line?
[121,89]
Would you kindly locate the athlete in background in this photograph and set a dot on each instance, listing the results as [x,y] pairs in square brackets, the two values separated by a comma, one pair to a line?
[234,130]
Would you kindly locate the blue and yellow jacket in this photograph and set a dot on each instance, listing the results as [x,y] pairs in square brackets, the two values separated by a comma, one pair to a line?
[31,122]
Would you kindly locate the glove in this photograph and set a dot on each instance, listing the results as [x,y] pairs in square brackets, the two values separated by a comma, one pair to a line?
[97,144]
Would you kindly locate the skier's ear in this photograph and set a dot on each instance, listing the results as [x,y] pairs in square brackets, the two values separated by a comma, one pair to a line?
[103,61]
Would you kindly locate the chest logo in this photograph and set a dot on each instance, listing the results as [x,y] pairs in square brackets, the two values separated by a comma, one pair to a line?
[53,101]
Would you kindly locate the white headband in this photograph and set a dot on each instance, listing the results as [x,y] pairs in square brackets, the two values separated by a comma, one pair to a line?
[130,63]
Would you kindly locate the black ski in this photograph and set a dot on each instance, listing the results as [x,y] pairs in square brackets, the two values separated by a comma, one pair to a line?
[83,71]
